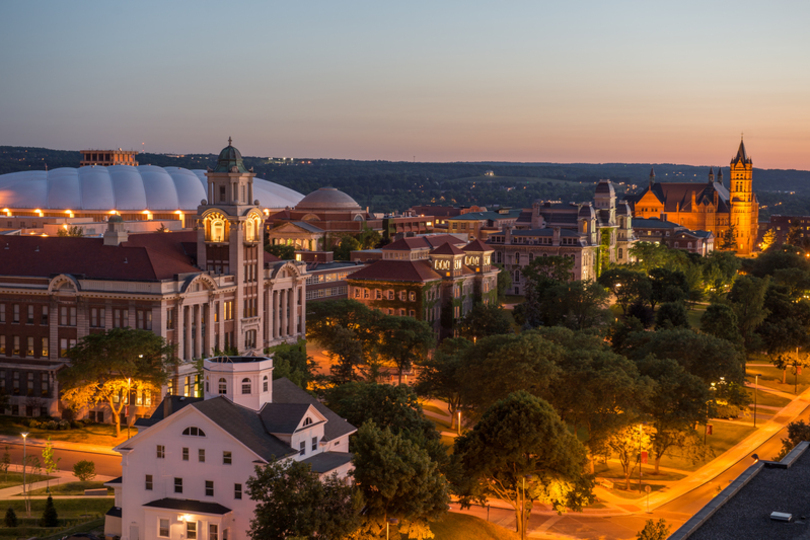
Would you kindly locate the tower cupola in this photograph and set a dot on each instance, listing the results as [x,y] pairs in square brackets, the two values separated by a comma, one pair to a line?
[244,380]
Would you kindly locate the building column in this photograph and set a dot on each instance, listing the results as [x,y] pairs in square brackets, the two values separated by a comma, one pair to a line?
[283,315]
[303,309]
[198,338]
[209,328]
[187,314]
[292,325]
[178,328]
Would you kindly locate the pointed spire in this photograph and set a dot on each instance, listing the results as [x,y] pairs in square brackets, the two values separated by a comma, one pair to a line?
[652,176]
[742,155]
[230,141]
[711,175]
[720,175]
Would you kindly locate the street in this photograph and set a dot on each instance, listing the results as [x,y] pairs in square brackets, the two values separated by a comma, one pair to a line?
[105,464]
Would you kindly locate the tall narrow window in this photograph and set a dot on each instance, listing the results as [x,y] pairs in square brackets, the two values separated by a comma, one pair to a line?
[148,485]
[209,488]
[178,485]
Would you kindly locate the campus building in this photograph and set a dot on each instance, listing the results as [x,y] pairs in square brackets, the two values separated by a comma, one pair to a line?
[708,206]
[205,289]
[434,283]
[590,234]
[673,236]
[184,475]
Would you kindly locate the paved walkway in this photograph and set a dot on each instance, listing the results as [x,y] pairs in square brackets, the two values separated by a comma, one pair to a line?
[62,477]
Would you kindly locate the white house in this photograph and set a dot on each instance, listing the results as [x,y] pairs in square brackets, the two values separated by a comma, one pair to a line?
[184,473]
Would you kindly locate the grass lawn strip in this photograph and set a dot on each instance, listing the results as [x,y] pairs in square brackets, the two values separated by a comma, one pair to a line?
[16,479]
[465,527]
[98,434]
[79,514]
[70,488]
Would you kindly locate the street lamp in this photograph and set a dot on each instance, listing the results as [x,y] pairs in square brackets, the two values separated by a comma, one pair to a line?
[756,383]
[706,430]
[129,398]
[25,448]
[459,422]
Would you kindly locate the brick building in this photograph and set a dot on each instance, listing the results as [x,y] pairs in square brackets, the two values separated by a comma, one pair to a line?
[205,289]
[437,284]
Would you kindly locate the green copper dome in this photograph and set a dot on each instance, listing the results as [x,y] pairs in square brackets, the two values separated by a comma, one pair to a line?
[229,158]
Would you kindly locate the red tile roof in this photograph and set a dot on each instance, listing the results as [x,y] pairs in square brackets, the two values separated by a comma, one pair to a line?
[407,244]
[144,257]
[388,270]
[447,249]
[477,245]
[437,240]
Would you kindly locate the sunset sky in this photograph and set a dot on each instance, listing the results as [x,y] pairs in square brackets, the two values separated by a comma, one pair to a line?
[570,81]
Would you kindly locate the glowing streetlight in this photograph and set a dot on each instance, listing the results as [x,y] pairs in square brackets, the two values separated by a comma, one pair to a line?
[25,495]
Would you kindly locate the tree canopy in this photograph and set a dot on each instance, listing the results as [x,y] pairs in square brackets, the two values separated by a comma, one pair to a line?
[104,366]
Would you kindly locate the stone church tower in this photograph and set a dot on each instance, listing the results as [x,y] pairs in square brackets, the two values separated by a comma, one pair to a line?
[744,207]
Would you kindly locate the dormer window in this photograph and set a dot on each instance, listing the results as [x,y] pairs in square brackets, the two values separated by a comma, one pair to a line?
[307,421]
[246,386]
[193,432]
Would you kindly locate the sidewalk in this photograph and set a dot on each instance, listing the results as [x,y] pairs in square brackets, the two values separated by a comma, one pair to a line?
[735,454]
[59,445]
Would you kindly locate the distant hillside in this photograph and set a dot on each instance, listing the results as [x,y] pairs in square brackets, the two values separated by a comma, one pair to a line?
[389,185]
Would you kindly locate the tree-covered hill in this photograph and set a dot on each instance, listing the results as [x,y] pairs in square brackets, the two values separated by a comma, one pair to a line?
[390,185]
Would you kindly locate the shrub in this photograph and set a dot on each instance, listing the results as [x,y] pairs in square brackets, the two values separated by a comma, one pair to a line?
[11,518]
[84,470]
[49,516]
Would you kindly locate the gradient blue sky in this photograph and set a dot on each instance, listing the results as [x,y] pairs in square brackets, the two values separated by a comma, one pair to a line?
[443,81]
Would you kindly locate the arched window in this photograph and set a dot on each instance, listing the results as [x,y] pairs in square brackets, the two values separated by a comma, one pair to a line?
[246,386]
[194,432]
[265,384]
[218,231]
[250,230]
[223,386]
[307,421]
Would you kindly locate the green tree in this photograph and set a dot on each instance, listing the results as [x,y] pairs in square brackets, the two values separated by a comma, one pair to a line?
[555,268]
[768,240]
[627,286]
[676,403]
[369,238]
[627,444]
[51,462]
[290,360]
[486,320]
[747,298]
[11,518]
[73,230]
[654,530]
[797,432]
[794,236]
[282,251]
[105,366]
[397,478]
[650,255]
[521,441]
[84,470]
[719,320]
[702,355]
[668,286]
[440,376]
[504,282]
[405,341]
[291,501]
[728,240]
[6,463]
[498,365]
[343,251]
[670,315]
[595,388]
[50,518]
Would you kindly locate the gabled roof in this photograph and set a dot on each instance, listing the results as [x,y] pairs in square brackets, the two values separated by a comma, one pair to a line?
[285,391]
[654,223]
[143,257]
[447,249]
[307,226]
[283,417]
[407,244]
[246,426]
[476,245]
[394,270]
[678,195]
[328,461]
[177,403]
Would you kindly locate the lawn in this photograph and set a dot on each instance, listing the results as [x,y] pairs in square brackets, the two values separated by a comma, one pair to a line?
[769,399]
[724,436]
[433,408]
[772,378]
[613,471]
[99,434]
[16,478]
[512,299]
[694,314]
[71,488]
[634,492]
[72,512]
[464,527]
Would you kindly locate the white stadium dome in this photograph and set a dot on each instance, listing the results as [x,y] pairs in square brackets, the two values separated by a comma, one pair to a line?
[124,188]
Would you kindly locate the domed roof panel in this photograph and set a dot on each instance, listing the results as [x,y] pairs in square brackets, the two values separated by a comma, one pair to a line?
[128,188]
[67,190]
[159,188]
[23,189]
[95,190]
[327,198]
[188,187]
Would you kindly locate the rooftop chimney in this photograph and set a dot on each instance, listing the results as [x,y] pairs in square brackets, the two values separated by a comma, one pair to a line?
[116,233]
